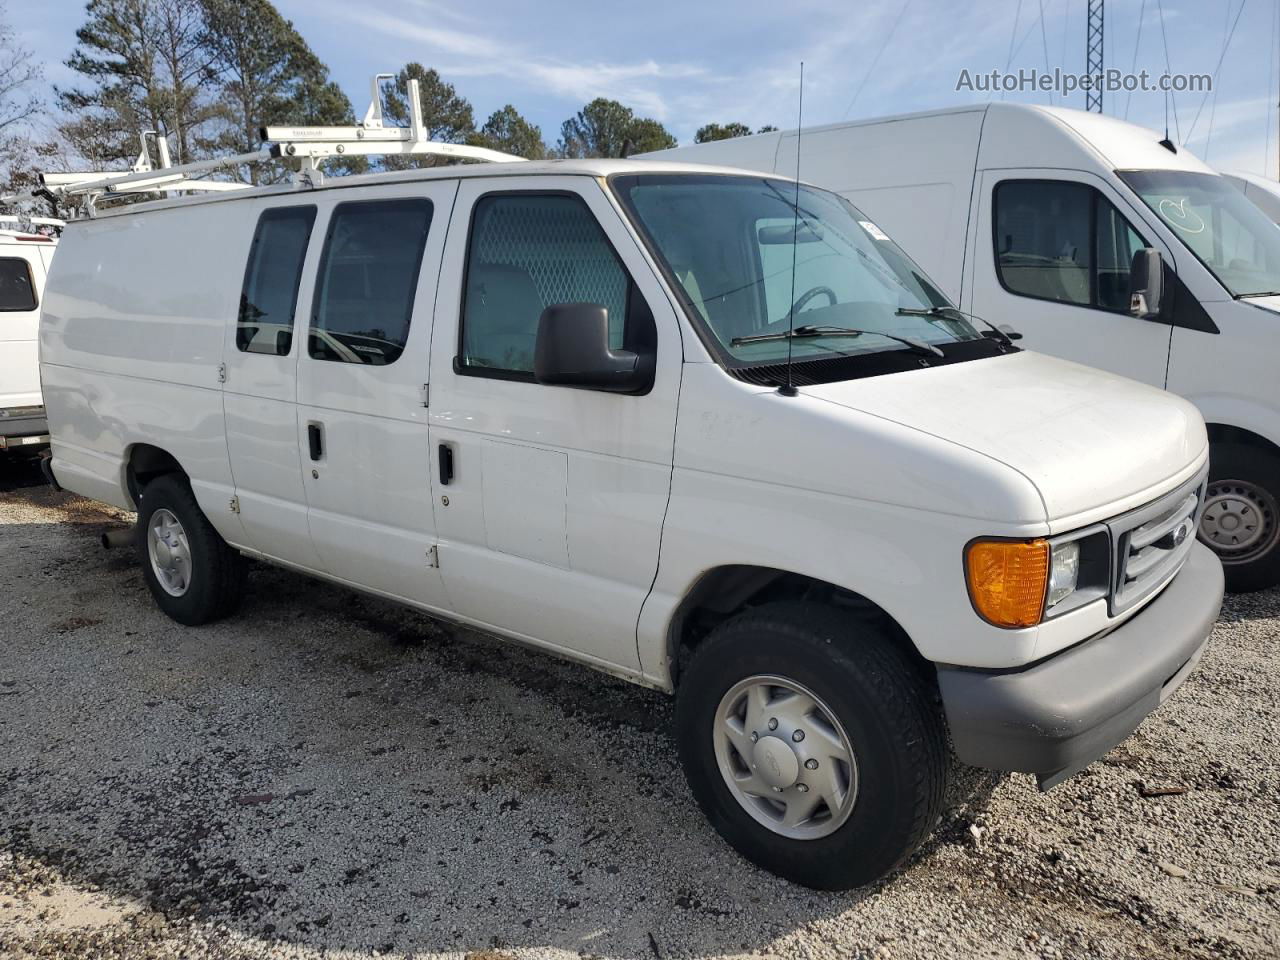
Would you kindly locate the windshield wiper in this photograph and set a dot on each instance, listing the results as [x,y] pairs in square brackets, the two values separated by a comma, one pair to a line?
[951,313]
[817,330]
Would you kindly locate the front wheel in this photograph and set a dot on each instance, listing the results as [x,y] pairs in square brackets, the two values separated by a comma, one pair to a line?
[813,744]
[1240,521]
[193,574]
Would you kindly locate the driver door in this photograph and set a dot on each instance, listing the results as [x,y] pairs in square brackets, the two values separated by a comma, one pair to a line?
[1053,250]
[550,499]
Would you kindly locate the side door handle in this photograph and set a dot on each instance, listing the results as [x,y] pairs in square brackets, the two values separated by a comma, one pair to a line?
[315,440]
[446,464]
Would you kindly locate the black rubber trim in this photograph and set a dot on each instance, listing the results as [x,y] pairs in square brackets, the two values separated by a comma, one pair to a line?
[1057,717]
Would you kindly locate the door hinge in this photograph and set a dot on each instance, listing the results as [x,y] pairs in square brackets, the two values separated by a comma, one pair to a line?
[222,373]
[234,504]
[426,394]
[433,556]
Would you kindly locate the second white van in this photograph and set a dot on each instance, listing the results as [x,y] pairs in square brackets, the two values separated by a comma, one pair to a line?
[1031,217]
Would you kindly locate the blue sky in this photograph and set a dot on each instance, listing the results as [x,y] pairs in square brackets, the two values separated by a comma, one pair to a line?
[719,60]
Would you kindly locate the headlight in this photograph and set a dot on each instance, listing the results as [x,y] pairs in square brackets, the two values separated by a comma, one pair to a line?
[1019,583]
[1064,572]
[1007,580]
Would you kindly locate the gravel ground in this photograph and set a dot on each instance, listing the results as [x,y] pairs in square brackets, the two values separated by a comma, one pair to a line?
[329,775]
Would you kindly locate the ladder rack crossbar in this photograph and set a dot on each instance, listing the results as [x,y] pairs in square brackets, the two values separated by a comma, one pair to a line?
[301,144]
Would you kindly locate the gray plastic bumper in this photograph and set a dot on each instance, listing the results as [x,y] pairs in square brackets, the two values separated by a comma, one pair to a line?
[21,428]
[1055,718]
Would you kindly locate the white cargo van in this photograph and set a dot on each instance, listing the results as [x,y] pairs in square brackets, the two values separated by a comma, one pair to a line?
[25,255]
[553,401]
[1030,217]
[1263,191]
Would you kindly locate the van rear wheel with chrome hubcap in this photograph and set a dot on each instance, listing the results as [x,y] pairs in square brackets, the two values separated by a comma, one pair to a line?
[194,576]
[813,742]
[169,553]
[1240,521]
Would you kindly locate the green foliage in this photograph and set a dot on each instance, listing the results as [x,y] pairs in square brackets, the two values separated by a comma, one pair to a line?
[268,75]
[446,116]
[508,131]
[768,128]
[147,67]
[605,128]
[718,131]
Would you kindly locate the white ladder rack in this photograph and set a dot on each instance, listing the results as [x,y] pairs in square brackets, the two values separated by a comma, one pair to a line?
[304,146]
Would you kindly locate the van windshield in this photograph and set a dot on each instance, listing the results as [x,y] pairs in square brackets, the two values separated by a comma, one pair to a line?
[1225,230]
[728,244]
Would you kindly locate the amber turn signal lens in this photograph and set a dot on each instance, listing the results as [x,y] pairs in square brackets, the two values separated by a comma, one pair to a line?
[1008,579]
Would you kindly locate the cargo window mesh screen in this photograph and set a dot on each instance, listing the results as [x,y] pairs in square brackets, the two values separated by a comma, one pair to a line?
[557,242]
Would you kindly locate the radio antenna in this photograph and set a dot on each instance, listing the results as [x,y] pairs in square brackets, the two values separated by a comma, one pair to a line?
[788,389]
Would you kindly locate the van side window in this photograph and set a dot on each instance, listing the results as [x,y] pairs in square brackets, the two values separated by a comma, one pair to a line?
[367,280]
[17,290]
[527,252]
[1063,242]
[271,278]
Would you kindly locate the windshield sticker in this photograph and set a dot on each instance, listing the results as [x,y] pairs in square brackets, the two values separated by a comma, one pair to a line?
[872,229]
[1176,212]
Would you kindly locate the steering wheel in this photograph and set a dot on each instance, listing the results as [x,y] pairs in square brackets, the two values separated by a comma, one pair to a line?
[809,295]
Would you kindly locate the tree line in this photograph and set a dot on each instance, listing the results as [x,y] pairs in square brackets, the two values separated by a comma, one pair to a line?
[205,74]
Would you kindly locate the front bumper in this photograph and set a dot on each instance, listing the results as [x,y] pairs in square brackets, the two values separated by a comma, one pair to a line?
[1055,718]
[23,427]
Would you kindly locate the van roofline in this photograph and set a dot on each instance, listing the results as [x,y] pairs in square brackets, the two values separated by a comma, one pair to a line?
[1090,130]
[594,168]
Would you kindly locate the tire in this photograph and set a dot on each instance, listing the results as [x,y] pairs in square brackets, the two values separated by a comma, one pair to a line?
[193,552]
[889,713]
[1244,486]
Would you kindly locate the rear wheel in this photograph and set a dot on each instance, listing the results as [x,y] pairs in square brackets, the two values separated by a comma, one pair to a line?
[1241,517]
[813,744]
[193,574]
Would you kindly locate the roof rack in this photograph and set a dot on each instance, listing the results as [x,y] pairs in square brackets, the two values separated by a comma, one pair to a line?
[303,146]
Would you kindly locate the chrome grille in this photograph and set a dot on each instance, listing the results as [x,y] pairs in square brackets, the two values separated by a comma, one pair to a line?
[1151,543]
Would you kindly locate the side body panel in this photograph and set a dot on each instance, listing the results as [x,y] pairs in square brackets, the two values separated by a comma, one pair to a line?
[554,512]
[261,411]
[369,495]
[131,341]
[912,177]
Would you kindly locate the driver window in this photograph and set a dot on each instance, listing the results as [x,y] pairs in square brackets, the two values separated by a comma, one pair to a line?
[1063,242]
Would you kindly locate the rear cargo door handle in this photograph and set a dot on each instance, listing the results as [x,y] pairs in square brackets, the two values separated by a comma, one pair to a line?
[315,440]
[446,464]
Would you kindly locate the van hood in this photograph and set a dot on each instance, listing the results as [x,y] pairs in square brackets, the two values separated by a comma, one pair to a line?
[1087,439]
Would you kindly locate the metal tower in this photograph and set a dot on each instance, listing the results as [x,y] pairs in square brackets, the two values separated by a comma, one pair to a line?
[1093,55]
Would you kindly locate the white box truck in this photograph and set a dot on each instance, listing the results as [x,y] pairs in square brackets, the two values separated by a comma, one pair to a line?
[1031,217]
[564,403]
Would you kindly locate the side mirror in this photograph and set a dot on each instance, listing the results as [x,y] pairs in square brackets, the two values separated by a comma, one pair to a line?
[572,350]
[1146,284]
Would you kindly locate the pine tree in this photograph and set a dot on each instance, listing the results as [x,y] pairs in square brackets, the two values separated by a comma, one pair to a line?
[268,75]
[508,131]
[147,68]
[605,128]
[446,116]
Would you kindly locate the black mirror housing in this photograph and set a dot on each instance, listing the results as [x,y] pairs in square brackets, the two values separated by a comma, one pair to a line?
[1146,284]
[572,350]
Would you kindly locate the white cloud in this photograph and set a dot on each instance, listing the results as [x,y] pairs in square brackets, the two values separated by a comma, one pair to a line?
[636,84]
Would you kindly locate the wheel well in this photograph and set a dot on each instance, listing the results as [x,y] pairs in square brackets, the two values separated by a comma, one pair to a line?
[1220,433]
[145,464]
[726,591]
